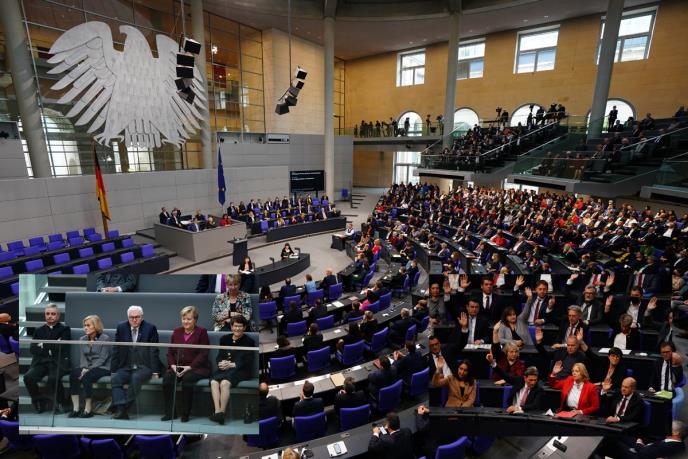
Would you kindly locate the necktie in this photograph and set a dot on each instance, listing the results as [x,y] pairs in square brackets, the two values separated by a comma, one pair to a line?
[524,397]
[537,309]
[471,323]
[622,408]
[134,334]
[667,376]
[487,303]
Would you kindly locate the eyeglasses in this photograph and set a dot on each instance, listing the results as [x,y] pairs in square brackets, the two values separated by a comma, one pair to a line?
[135,317]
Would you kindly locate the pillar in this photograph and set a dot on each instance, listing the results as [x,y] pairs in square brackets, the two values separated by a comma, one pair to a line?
[452,64]
[198,26]
[605,66]
[328,35]
[25,88]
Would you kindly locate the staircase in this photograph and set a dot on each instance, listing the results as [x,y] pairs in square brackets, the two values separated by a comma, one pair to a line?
[356,200]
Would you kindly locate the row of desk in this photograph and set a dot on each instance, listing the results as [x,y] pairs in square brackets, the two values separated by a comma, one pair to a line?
[304,229]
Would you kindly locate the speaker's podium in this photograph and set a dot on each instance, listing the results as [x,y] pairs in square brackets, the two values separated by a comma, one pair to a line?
[240,250]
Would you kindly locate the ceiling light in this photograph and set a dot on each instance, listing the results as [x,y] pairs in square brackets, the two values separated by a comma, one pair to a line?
[213,49]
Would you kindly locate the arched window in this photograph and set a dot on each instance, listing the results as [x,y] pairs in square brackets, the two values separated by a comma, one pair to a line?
[520,115]
[465,119]
[624,109]
[415,123]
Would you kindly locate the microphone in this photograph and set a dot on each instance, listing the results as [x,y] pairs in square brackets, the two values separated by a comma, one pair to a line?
[273,261]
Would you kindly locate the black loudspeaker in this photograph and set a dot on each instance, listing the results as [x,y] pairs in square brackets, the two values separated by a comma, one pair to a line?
[185,59]
[300,73]
[282,108]
[184,72]
[191,46]
[187,94]
[292,91]
[297,84]
[182,83]
[290,100]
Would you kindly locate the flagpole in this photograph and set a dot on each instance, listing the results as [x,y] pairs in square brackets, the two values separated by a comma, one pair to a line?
[102,215]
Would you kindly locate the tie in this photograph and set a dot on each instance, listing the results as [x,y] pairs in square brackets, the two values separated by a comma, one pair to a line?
[667,376]
[524,397]
[134,334]
[471,323]
[622,408]
[570,331]
[639,280]
[537,309]
[487,303]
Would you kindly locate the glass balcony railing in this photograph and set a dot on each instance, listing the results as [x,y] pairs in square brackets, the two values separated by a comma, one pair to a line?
[674,172]
[55,393]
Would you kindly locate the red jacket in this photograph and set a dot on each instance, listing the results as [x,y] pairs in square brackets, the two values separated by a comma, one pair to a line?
[194,357]
[589,401]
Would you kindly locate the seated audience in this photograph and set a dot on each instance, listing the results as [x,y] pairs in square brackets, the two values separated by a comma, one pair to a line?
[568,356]
[507,360]
[231,304]
[269,405]
[384,376]
[578,394]
[396,443]
[94,364]
[461,384]
[408,362]
[307,404]
[348,396]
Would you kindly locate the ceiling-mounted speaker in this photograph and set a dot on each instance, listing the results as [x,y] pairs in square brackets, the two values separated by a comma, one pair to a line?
[290,100]
[191,46]
[300,73]
[187,94]
[298,84]
[184,72]
[185,59]
[282,108]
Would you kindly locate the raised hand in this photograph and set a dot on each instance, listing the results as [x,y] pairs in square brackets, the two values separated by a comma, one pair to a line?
[652,304]
[579,335]
[463,320]
[608,304]
[551,302]
[489,357]
[497,326]
[447,288]
[558,366]
[529,293]
[520,280]
[464,283]
[610,280]
[574,276]
[607,385]
[539,334]
[676,359]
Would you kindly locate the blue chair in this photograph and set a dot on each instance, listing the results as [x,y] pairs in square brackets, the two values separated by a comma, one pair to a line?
[102,449]
[366,280]
[319,359]
[677,402]
[424,322]
[10,430]
[56,237]
[127,243]
[310,427]
[4,345]
[506,395]
[6,256]
[373,307]
[16,247]
[389,397]
[38,242]
[94,237]
[378,341]
[57,446]
[405,289]
[86,252]
[268,312]
[325,322]
[263,226]
[74,241]
[385,301]
[350,418]
[288,299]
[55,245]
[31,251]
[647,413]
[481,444]
[351,354]
[104,263]
[6,272]
[147,251]
[268,435]
[415,279]
[282,367]
[419,383]
[155,446]
[88,231]
[335,291]
[15,288]
[314,295]
[411,333]
[81,269]
[456,450]
[107,247]
[72,234]
[14,345]
[34,265]
[61,258]
[296,328]
[126,257]
[112,234]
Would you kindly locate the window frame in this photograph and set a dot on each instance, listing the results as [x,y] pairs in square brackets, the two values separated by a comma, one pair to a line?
[470,60]
[621,40]
[400,68]
[537,51]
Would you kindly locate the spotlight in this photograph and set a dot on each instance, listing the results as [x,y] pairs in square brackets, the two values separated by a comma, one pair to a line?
[298,84]
[281,108]
[300,73]
[290,100]
[184,72]
[186,60]
[293,91]
[191,46]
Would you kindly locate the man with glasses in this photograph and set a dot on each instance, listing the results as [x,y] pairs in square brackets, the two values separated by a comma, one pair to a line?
[667,371]
[132,365]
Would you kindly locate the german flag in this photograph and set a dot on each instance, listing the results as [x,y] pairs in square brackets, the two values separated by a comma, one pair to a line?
[100,189]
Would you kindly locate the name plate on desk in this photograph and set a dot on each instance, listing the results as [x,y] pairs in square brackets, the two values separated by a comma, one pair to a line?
[336,449]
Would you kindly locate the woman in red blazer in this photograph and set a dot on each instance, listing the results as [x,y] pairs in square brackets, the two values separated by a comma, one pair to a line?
[578,394]
[184,366]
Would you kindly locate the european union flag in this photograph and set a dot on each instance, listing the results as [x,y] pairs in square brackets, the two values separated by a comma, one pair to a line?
[221,186]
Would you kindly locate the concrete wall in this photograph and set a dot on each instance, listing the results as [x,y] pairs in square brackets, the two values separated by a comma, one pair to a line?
[373,169]
[12,163]
[656,84]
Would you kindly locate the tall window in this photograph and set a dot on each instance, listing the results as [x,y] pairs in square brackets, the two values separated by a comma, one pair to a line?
[465,119]
[471,59]
[520,115]
[537,50]
[635,32]
[624,109]
[415,123]
[411,68]
[406,166]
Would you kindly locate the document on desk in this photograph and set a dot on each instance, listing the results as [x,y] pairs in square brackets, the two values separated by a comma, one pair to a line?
[339,304]
[337,379]
[566,414]
[271,456]
[336,449]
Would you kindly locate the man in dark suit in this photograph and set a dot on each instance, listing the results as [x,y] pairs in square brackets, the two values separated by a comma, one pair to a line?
[477,330]
[211,283]
[398,328]
[307,404]
[327,281]
[318,311]
[132,365]
[570,326]
[569,354]
[115,282]
[591,309]
[286,290]
[624,406]
[269,405]
[449,352]
[527,392]
[195,225]
[49,360]
[164,215]
[348,396]
[385,376]
[490,304]
[408,364]
[667,371]
[396,443]
[354,313]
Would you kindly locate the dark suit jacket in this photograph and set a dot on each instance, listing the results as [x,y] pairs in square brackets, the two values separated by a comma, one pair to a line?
[398,445]
[564,326]
[163,217]
[308,407]
[381,378]
[327,282]
[398,328]
[286,290]
[127,282]
[352,400]
[661,449]
[149,356]
[634,407]
[368,329]
[482,329]
[408,365]
[596,313]
[656,379]
[312,342]
[48,353]
[270,406]
[196,358]
[317,313]
[206,283]
[632,339]
[534,399]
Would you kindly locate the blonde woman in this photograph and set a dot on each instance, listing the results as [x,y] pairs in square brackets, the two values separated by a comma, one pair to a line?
[578,394]
[232,303]
[93,365]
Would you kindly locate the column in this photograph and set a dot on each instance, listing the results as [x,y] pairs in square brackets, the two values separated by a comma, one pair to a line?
[25,86]
[605,66]
[452,64]
[199,35]
[328,35]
